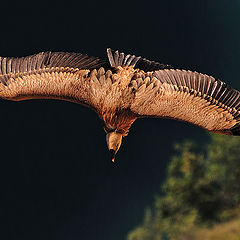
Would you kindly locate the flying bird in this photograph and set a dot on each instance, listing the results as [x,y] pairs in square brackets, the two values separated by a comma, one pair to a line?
[123,89]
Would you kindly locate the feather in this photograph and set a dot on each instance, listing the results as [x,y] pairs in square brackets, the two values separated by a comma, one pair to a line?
[116,59]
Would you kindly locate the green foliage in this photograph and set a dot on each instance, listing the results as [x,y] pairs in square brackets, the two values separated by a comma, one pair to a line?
[201,190]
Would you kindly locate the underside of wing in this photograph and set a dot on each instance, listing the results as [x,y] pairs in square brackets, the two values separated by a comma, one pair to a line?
[55,75]
[188,96]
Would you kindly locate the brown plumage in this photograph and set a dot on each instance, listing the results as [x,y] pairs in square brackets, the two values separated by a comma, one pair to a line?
[123,90]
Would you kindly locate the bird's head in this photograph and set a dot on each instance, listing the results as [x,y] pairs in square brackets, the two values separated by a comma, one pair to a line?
[116,124]
[114,140]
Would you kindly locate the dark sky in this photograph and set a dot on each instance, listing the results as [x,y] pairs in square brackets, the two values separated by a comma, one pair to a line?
[57,180]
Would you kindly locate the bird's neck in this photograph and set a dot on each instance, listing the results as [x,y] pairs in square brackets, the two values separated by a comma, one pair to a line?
[119,121]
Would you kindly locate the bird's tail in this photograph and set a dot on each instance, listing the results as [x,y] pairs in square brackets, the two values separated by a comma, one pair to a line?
[120,59]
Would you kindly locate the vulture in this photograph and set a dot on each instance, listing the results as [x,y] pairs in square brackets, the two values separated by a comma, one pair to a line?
[123,89]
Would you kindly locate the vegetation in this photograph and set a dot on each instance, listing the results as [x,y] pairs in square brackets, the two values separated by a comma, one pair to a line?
[201,195]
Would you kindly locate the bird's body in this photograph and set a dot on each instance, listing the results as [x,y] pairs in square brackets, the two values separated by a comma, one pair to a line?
[126,89]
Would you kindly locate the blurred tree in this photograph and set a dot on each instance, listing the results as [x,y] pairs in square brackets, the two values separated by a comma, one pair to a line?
[201,189]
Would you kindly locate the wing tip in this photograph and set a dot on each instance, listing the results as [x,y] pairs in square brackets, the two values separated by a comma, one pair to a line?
[235,130]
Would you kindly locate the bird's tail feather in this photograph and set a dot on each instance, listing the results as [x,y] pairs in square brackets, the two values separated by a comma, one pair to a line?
[120,59]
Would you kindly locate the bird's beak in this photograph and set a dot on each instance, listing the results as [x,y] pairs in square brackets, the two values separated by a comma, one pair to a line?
[114,142]
[112,152]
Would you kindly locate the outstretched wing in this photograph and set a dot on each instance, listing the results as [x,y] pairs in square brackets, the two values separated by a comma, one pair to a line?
[55,75]
[187,96]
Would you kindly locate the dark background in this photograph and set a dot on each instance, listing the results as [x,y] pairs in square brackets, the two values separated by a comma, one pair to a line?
[56,177]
